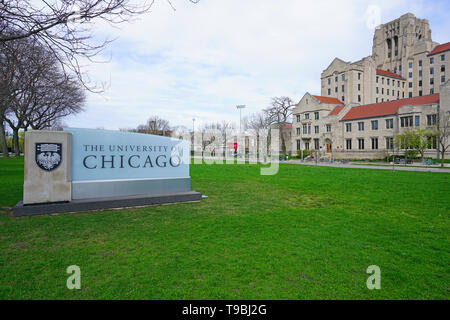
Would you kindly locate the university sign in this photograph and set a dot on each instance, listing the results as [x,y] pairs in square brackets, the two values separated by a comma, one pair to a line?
[86,169]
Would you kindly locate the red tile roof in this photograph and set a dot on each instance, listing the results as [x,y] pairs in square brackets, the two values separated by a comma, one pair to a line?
[287,126]
[388,108]
[388,74]
[440,48]
[327,100]
[336,110]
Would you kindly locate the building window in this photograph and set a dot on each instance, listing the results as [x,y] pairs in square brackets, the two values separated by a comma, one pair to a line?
[406,121]
[359,98]
[306,116]
[389,123]
[387,91]
[298,118]
[359,76]
[390,143]
[442,79]
[420,83]
[348,127]
[298,144]
[382,80]
[387,81]
[328,127]
[316,129]
[343,98]
[410,84]
[329,80]
[420,93]
[316,115]
[431,70]
[316,144]
[329,92]
[343,77]
[433,142]
[410,65]
[417,121]
[359,87]
[431,60]
[374,143]
[378,90]
[410,95]
[431,91]
[420,63]
[374,124]
[376,100]
[398,84]
[348,144]
[431,119]
[309,129]
[410,75]
[431,80]
[361,144]
[443,57]
[382,90]
[443,68]
[377,79]
[305,129]
[306,145]
[298,131]
[360,126]
[343,88]
[420,73]
[336,79]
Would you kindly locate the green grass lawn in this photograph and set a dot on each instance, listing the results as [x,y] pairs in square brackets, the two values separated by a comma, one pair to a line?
[306,233]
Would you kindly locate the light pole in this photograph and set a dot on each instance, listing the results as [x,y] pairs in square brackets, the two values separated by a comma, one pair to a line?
[193,136]
[240,107]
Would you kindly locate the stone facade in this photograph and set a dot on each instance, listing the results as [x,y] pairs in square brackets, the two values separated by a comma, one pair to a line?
[364,104]
[41,186]
[405,63]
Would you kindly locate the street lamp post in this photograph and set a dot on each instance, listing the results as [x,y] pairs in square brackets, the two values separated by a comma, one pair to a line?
[193,136]
[240,107]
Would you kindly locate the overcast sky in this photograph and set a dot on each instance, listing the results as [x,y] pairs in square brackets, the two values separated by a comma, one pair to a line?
[203,59]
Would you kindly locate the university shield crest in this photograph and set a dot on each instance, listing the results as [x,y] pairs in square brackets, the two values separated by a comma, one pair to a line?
[48,155]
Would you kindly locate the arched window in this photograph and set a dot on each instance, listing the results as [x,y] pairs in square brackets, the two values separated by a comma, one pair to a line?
[389,47]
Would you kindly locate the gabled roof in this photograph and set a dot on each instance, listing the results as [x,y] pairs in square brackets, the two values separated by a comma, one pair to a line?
[328,100]
[336,110]
[388,74]
[440,48]
[388,108]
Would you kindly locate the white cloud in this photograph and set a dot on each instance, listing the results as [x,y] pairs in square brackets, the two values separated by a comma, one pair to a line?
[202,60]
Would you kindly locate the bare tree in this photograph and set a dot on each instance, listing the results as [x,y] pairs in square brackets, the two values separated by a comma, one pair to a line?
[65,26]
[443,133]
[39,92]
[278,114]
[155,125]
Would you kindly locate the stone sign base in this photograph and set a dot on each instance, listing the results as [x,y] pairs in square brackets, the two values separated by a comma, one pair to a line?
[21,210]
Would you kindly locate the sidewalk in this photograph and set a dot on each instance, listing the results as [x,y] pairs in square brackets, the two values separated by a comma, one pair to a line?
[412,167]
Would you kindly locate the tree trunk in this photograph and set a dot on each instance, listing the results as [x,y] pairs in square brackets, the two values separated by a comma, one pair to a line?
[16,142]
[3,144]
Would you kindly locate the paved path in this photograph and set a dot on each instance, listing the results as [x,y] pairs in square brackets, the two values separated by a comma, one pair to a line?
[340,165]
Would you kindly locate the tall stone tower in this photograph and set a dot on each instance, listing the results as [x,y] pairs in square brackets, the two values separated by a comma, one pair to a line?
[397,41]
